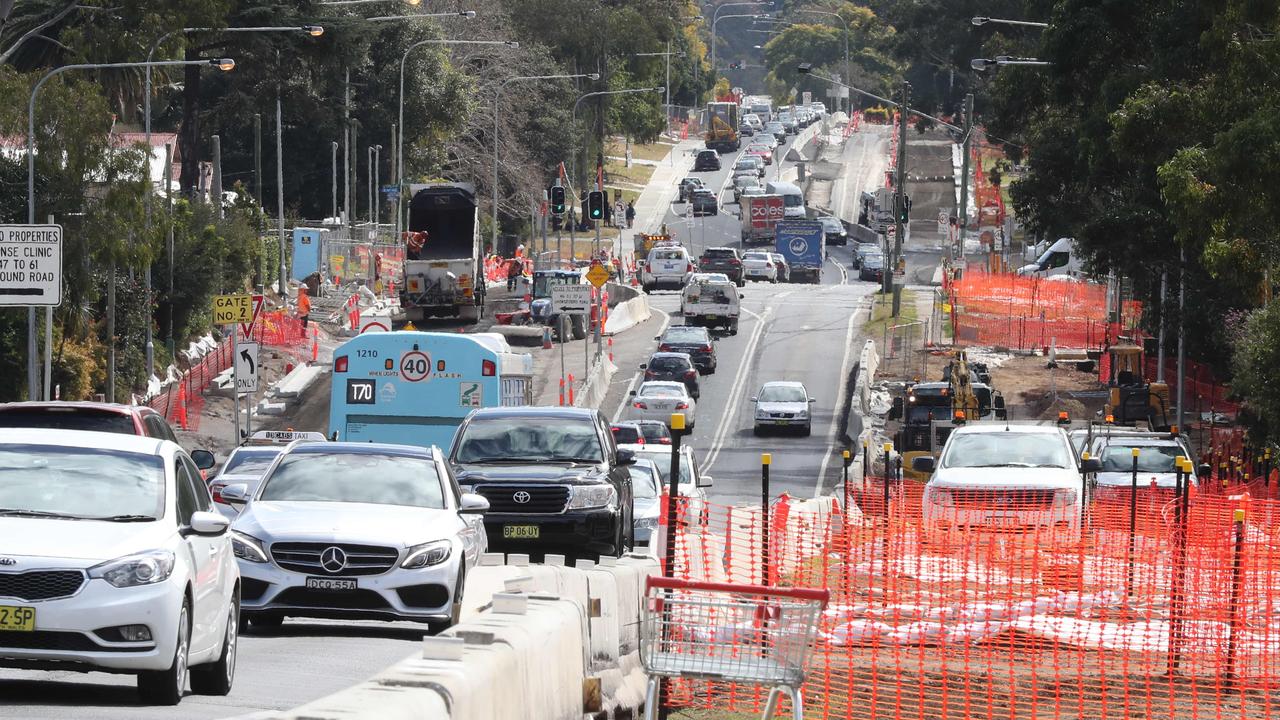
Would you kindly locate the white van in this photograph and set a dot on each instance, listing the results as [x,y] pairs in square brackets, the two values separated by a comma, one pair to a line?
[792,199]
[667,267]
[711,302]
[1059,259]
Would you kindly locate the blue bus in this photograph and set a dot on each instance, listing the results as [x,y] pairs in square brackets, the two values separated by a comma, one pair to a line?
[414,388]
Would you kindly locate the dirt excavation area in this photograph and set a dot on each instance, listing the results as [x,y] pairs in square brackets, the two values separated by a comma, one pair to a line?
[1034,391]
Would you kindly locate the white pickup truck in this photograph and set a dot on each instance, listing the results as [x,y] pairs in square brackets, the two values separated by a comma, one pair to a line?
[711,303]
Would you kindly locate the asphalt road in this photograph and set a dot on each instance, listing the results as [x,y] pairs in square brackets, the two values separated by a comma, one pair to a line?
[788,332]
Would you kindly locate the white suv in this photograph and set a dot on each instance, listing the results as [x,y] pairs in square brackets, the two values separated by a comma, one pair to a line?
[667,267]
[1005,478]
[114,559]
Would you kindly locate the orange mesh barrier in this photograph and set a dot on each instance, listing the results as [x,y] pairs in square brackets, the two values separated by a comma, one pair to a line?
[1014,603]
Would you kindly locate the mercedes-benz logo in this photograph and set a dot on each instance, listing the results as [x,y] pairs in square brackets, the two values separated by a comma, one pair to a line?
[333,559]
[522,497]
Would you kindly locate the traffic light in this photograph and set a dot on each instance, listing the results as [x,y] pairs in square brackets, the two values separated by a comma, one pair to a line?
[557,200]
[904,213]
[595,205]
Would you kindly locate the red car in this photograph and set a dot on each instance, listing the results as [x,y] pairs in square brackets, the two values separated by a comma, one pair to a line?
[92,416]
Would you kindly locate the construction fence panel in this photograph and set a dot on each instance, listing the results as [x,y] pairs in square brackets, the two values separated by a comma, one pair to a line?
[1014,603]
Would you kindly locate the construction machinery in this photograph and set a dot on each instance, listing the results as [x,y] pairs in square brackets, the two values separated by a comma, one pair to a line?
[1134,401]
[722,127]
[929,411]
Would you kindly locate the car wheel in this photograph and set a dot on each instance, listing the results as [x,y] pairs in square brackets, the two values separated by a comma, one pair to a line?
[757,431]
[806,430]
[260,621]
[166,687]
[733,329]
[215,678]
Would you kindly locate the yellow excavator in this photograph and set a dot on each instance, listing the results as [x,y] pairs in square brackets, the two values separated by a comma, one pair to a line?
[930,411]
[1134,401]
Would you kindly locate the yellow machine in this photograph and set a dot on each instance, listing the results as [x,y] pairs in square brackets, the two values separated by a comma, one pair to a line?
[930,411]
[1134,401]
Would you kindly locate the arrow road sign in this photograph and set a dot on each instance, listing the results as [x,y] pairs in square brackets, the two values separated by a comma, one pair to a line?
[246,371]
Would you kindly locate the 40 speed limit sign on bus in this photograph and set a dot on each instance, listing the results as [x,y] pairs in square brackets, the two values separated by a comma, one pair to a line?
[415,366]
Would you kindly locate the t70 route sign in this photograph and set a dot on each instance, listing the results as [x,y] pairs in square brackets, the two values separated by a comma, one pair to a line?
[30,265]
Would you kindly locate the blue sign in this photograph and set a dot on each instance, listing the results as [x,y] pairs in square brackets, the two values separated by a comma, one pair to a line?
[801,241]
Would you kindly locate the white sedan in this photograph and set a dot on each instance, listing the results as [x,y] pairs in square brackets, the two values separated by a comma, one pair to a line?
[114,558]
[758,265]
[659,399]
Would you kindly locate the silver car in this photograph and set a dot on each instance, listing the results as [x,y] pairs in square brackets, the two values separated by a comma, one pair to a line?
[742,183]
[646,488]
[783,404]
[356,530]
[693,483]
[244,466]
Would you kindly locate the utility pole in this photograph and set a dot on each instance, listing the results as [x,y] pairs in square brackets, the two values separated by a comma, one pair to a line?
[335,181]
[283,287]
[215,183]
[962,214]
[168,209]
[346,145]
[257,156]
[899,193]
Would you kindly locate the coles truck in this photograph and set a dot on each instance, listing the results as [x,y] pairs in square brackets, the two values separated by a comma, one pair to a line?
[442,266]
[760,216]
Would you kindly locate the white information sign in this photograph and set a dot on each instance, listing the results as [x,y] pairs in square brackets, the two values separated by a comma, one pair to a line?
[31,265]
[246,372]
[571,299]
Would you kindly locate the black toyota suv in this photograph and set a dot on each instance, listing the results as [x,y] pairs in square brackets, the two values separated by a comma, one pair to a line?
[555,480]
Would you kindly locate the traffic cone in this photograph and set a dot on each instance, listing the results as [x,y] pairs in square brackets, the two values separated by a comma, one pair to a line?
[315,344]
[562,392]
[546,337]
[181,413]
[571,388]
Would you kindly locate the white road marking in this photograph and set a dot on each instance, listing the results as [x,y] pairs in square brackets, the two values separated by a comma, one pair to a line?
[840,391]
[735,390]
[622,404]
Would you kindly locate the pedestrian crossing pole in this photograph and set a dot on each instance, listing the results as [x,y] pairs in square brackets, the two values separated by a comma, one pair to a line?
[899,195]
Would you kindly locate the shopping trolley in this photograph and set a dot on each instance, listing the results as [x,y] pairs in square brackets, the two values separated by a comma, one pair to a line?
[728,633]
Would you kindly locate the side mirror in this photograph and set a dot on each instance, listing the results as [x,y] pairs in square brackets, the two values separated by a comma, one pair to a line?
[923,463]
[755,398]
[1203,470]
[473,504]
[741,296]
[644,366]
[203,459]
[632,393]
[1092,465]
[895,411]
[706,481]
[237,494]
[657,338]
[626,457]
[813,400]
[208,523]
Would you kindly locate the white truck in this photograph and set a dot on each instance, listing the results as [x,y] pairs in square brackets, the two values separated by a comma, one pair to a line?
[443,275]
[1060,259]
[711,303]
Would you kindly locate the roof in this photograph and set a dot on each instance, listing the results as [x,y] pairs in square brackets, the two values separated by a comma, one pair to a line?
[535,410]
[662,384]
[1000,426]
[84,439]
[357,448]
[667,354]
[82,405]
[783,383]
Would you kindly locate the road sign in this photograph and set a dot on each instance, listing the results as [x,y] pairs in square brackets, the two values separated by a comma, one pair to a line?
[31,265]
[246,372]
[415,366]
[571,299]
[231,309]
[597,275]
[246,329]
[374,323]
[806,98]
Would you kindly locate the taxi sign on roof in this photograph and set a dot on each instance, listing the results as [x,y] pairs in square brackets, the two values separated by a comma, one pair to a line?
[284,436]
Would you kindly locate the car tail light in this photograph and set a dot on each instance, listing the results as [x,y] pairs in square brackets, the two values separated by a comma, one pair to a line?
[664,348]
[639,405]
[690,374]
[706,348]
[488,368]
[735,262]
[340,364]
[664,441]
[682,405]
[216,490]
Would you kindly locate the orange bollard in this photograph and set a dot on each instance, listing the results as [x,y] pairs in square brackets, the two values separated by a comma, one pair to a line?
[181,414]
[562,392]
[571,388]
[315,344]
[611,349]
[546,338]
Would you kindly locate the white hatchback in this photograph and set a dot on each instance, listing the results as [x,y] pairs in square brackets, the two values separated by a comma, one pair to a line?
[660,399]
[758,265]
[115,560]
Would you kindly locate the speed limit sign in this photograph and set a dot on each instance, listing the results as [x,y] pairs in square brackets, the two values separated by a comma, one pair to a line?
[415,366]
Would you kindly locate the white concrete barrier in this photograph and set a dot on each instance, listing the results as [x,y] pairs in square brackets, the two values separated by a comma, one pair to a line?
[597,386]
[537,641]
[627,314]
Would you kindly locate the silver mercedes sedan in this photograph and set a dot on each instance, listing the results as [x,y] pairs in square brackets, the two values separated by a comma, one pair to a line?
[356,530]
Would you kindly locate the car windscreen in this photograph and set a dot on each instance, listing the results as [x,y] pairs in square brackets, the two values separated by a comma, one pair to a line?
[1006,449]
[830,223]
[251,462]
[663,460]
[668,255]
[644,484]
[80,482]
[655,431]
[1151,458]
[375,478]
[756,256]
[626,434]
[661,391]
[685,333]
[69,418]
[717,253]
[527,439]
[792,200]
[782,393]
[668,364]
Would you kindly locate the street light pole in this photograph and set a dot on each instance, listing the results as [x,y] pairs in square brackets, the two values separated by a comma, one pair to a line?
[400,117]
[497,96]
[848,73]
[715,17]
[225,64]
[980,21]
[667,86]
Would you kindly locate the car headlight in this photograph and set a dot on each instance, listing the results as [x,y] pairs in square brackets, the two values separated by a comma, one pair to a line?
[802,413]
[592,497]
[646,523]
[941,498]
[144,568]
[247,547]
[427,554]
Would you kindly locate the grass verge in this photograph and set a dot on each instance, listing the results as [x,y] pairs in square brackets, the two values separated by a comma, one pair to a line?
[656,152]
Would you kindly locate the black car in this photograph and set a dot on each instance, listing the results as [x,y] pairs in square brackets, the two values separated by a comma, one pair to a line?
[706,160]
[687,186]
[872,267]
[833,231]
[696,342]
[554,478]
[722,260]
[704,202]
[673,366]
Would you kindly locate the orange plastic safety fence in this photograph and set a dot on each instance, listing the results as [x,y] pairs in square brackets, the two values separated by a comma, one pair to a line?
[1012,603]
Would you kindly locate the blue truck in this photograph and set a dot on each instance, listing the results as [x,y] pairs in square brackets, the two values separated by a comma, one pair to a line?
[800,242]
